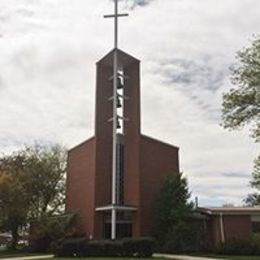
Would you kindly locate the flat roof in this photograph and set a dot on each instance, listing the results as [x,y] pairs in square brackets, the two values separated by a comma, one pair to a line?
[230,210]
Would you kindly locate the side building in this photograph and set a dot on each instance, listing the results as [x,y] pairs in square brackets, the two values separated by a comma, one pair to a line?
[145,162]
[224,224]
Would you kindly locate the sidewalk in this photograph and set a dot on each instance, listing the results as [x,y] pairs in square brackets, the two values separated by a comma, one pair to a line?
[166,256]
[184,257]
[28,257]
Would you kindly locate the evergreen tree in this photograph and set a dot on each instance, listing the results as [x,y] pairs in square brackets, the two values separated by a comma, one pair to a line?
[253,199]
[173,215]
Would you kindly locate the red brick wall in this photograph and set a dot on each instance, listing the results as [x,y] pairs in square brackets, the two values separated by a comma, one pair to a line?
[103,133]
[158,160]
[235,227]
[80,185]
[147,161]
[132,142]
[215,230]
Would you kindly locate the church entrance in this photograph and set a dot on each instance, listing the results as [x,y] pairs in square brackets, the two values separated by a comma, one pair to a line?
[123,225]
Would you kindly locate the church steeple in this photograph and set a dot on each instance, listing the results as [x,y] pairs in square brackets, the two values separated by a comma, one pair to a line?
[118,79]
[114,177]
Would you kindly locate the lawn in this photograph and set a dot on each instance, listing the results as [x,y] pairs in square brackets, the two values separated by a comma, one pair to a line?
[221,257]
[240,257]
[107,258]
[231,257]
[16,253]
[13,253]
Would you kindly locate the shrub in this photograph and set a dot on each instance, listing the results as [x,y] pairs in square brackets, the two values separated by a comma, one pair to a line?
[70,247]
[140,247]
[112,248]
[137,247]
[181,238]
[103,248]
[238,247]
[256,239]
[46,231]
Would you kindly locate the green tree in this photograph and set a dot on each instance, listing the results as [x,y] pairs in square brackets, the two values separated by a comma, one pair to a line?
[14,198]
[47,231]
[241,105]
[253,199]
[32,185]
[173,212]
[46,167]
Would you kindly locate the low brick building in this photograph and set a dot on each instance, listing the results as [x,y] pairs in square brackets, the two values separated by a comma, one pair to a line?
[142,167]
[228,223]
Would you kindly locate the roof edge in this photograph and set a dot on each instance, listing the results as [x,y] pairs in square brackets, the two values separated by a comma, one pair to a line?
[120,52]
[82,143]
[159,141]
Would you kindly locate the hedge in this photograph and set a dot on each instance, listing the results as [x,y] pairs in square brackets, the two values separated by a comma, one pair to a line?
[140,247]
[69,247]
[238,247]
[80,247]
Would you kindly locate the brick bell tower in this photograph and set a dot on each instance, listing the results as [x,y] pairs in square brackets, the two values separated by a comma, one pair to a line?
[114,177]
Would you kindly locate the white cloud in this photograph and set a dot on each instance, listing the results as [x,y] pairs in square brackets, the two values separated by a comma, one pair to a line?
[48,51]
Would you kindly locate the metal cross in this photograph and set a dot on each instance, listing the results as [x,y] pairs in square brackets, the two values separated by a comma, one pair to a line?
[115,117]
[115,16]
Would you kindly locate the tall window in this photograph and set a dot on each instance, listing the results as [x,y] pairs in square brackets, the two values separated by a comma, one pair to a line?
[120,174]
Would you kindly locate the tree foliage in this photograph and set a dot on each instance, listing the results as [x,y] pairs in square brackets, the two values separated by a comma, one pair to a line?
[254,198]
[46,167]
[46,231]
[173,214]
[32,185]
[241,105]
[14,198]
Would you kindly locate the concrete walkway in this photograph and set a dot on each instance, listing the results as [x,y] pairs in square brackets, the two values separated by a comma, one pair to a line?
[184,257]
[28,257]
[166,256]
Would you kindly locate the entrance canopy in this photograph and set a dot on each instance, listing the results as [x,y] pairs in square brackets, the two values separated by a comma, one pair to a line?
[117,208]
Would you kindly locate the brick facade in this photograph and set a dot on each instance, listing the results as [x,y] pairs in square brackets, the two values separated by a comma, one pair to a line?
[147,161]
[227,224]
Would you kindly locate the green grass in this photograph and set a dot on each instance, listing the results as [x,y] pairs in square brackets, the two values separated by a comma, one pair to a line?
[106,258]
[4,256]
[240,257]
[17,253]
[231,257]
[218,256]
[4,253]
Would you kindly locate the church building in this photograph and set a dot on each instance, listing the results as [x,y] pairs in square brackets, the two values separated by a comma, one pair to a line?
[114,177]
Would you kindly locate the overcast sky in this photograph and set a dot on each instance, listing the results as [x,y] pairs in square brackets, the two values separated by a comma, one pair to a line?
[48,50]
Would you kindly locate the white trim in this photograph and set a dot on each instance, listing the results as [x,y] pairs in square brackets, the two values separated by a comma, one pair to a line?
[116,207]
[222,228]
[245,211]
